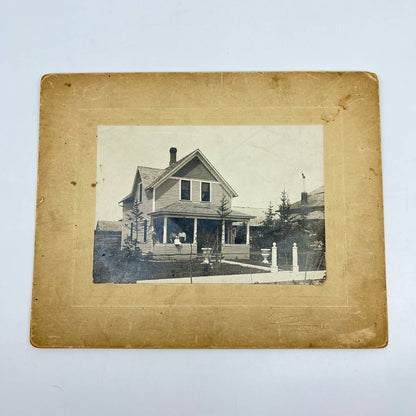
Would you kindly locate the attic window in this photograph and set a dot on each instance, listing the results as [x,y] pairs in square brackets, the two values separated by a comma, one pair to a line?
[205,191]
[140,192]
[185,190]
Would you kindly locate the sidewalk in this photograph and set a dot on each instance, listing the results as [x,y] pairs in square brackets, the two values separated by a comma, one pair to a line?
[251,266]
[282,276]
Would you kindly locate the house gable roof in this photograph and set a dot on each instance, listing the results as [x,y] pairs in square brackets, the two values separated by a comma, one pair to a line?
[195,169]
[152,177]
[145,175]
[171,170]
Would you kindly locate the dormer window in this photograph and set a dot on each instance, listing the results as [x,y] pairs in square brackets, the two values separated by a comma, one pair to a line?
[140,192]
[185,190]
[205,192]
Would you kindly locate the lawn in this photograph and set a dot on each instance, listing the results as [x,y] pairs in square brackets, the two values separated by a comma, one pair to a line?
[120,270]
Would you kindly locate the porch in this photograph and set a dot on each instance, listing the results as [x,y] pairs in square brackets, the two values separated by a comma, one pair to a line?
[185,235]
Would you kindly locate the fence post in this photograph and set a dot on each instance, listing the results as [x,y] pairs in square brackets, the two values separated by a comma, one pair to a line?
[274,267]
[295,266]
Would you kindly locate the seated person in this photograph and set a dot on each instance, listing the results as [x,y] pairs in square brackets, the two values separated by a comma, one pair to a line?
[182,236]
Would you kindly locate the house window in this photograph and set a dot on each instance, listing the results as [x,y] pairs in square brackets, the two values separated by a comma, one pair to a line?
[131,231]
[185,190]
[140,192]
[205,191]
[144,231]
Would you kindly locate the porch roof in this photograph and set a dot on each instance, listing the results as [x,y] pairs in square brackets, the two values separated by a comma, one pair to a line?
[192,209]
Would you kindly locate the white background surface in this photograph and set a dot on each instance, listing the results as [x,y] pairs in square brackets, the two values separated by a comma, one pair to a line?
[87,36]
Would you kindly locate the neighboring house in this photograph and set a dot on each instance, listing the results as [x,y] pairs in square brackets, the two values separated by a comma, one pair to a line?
[311,206]
[180,209]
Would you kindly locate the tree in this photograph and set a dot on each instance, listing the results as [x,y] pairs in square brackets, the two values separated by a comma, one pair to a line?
[269,220]
[286,222]
[223,211]
[131,244]
[267,228]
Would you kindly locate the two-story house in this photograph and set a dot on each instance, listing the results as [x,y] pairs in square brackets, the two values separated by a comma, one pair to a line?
[311,206]
[180,207]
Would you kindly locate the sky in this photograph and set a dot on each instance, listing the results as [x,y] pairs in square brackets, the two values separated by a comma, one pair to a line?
[259,162]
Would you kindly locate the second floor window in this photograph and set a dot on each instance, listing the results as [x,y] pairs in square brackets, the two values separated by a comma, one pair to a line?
[205,191]
[185,190]
[141,192]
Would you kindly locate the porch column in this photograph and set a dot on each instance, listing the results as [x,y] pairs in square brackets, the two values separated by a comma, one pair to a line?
[223,233]
[195,230]
[165,230]
[248,233]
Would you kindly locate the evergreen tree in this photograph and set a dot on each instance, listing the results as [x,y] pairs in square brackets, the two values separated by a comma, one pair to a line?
[136,217]
[223,211]
[286,222]
[269,220]
[267,228]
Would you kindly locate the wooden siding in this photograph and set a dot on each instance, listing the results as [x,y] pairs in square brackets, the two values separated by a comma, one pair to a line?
[217,191]
[125,227]
[167,193]
[196,190]
[172,250]
[106,241]
[195,169]
[230,251]
[145,207]
[126,230]
[236,251]
[146,247]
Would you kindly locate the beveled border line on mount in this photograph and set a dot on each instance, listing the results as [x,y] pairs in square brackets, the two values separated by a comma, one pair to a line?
[323,123]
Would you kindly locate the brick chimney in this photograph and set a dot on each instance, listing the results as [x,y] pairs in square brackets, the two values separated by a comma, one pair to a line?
[172,152]
[304,198]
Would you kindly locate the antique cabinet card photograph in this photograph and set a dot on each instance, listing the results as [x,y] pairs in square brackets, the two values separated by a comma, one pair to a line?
[209,210]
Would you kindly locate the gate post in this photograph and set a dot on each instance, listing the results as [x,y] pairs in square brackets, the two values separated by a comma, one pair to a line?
[295,266]
[274,267]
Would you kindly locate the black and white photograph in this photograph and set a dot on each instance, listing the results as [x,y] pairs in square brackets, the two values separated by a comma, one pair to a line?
[210,204]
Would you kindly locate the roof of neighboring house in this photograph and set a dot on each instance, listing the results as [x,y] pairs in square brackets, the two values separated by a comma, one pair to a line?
[108,226]
[259,214]
[151,177]
[197,209]
[312,215]
[315,199]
